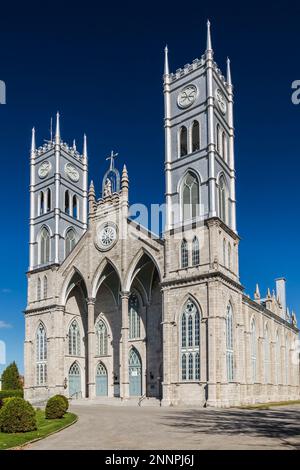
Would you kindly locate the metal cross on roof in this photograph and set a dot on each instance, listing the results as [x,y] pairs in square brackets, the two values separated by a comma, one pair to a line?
[112,159]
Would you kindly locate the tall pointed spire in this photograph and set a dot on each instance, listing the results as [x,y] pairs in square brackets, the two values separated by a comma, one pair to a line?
[229,82]
[257,293]
[74,144]
[166,69]
[208,41]
[84,152]
[33,146]
[57,130]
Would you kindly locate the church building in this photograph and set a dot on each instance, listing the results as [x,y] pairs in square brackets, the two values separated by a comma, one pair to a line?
[117,313]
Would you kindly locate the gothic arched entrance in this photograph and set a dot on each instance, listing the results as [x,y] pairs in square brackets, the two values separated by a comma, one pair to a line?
[75,381]
[135,374]
[101,381]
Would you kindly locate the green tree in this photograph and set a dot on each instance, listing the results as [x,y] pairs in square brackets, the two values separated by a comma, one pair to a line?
[11,378]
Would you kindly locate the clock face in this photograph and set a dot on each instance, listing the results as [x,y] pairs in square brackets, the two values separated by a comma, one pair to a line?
[106,236]
[187,96]
[44,169]
[221,101]
[71,172]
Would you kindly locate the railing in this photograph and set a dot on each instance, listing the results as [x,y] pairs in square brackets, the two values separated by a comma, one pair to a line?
[141,399]
[76,395]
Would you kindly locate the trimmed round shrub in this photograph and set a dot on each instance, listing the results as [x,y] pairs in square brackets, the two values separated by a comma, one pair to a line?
[55,407]
[17,415]
[66,401]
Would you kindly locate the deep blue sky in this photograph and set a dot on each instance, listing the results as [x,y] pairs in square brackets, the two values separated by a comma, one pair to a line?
[101,65]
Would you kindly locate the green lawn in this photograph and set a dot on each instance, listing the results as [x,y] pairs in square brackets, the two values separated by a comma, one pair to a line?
[45,427]
[266,406]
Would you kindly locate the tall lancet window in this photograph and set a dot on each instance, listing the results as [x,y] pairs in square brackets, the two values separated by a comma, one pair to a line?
[253,350]
[195,251]
[75,207]
[229,343]
[45,287]
[102,338]
[190,342]
[183,141]
[41,203]
[41,355]
[224,146]
[39,289]
[229,257]
[195,136]
[222,199]
[134,317]
[287,365]
[67,203]
[48,200]
[267,355]
[184,254]
[219,140]
[74,339]
[190,197]
[70,241]
[277,359]
[44,246]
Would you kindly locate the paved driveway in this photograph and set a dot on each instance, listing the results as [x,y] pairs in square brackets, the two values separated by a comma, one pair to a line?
[121,427]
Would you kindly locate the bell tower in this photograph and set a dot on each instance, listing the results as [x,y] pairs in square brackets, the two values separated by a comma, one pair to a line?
[199,161]
[58,199]
[199,142]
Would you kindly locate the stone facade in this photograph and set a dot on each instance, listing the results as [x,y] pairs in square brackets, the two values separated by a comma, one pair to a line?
[119,312]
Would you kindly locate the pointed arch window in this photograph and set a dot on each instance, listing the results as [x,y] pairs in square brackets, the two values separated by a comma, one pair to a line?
[74,339]
[195,252]
[229,343]
[219,140]
[286,360]
[183,141]
[45,287]
[277,359]
[224,146]
[48,200]
[70,241]
[222,199]
[134,317]
[39,289]
[41,203]
[253,350]
[224,253]
[195,136]
[44,246]
[267,355]
[229,256]
[41,355]
[75,207]
[67,203]
[184,254]
[190,197]
[190,342]
[102,338]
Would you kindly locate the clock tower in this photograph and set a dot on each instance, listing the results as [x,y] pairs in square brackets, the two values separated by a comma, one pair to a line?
[200,230]
[58,199]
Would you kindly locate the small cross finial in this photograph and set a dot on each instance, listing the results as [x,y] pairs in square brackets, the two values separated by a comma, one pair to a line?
[112,159]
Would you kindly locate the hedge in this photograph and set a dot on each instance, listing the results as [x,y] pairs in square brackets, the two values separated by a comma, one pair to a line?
[17,415]
[11,393]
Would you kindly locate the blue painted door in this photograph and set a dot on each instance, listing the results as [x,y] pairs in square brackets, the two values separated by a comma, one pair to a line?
[135,374]
[101,381]
[74,381]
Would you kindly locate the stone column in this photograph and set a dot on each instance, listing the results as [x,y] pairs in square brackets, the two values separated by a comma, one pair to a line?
[91,347]
[124,371]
